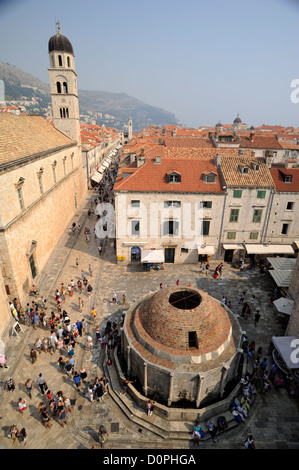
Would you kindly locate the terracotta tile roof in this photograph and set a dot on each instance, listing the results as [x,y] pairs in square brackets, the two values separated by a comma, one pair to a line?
[289,145]
[188,142]
[151,177]
[24,136]
[232,176]
[203,153]
[278,175]
[260,142]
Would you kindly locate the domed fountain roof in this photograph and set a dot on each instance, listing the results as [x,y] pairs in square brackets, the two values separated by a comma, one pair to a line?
[182,321]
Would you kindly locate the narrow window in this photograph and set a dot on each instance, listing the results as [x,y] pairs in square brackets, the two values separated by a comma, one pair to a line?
[68,62]
[63,112]
[205,227]
[61,115]
[290,206]
[58,86]
[237,193]
[67,112]
[64,167]
[284,229]
[20,197]
[40,182]
[64,87]
[207,204]
[257,215]
[54,174]
[234,215]
[231,235]
[135,227]
[135,203]
[60,61]
[192,339]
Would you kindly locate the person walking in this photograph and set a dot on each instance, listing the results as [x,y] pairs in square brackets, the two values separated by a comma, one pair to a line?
[89,343]
[77,380]
[249,443]
[124,300]
[29,387]
[13,433]
[93,316]
[45,417]
[80,304]
[103,435]
[90,270]
[257,317]
[22,435]
[10,385]
[149,407]
[22,405]
[42,383]
[62,417]
[89,290]
[114,297]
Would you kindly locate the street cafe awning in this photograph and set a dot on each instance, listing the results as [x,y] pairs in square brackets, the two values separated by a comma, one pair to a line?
[260,248]
[106,164]
[152,256]
[282,263]
[205,249]
[233,246]
[282,277]
[96,177]
[284,305]
[286,346]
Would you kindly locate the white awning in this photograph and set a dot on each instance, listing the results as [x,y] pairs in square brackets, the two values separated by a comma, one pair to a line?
[205,249]
[282,277]
[106,164]
[231,246]
[284,305]
[152,256]
[96,177]
[260,248]
[282,263]
[285,346]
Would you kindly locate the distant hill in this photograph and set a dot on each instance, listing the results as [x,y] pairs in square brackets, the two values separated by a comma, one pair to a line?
[111,109]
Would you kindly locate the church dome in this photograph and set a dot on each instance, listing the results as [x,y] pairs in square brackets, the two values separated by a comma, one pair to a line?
[60,43]
[237,120]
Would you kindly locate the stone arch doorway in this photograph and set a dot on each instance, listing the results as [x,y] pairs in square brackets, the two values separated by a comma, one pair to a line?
[135,253]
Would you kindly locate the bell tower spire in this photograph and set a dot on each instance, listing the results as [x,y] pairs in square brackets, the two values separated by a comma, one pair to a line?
[63,85]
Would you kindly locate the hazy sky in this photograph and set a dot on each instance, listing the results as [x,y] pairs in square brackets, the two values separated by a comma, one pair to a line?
[203,60]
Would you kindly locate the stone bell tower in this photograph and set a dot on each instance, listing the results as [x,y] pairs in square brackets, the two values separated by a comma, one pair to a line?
[63,86]
[130,129]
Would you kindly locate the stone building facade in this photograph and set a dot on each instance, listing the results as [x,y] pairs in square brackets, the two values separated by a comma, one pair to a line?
[41,186]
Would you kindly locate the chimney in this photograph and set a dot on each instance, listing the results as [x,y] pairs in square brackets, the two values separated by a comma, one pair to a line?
[140,161]
[251,136]
[158,159]
[142,152]
[217,160]
[132,157]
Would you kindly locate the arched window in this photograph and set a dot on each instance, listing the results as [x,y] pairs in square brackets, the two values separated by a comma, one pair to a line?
[67,112]
[68,62]
[60,61]
[58,85]
[61,113]
[65,87]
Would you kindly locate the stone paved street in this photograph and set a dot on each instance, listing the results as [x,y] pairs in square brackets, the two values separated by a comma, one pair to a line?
[274,421]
